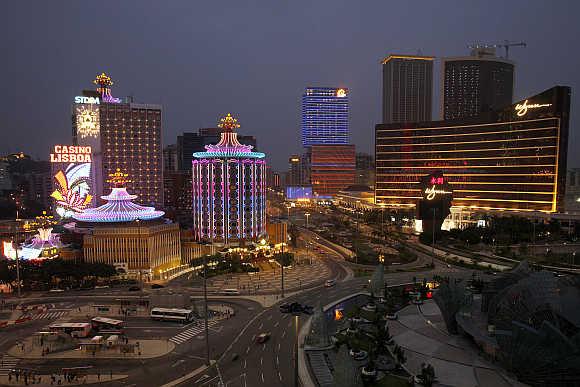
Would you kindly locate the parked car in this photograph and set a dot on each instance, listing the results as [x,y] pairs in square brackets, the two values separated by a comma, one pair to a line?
[157,286]
[296,308]
[358,354]
[134,288]
[263,337]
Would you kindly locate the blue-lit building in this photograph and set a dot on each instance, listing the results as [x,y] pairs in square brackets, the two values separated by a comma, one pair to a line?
[325,116]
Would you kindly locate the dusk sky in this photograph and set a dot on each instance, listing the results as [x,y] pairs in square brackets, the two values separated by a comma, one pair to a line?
[253,59]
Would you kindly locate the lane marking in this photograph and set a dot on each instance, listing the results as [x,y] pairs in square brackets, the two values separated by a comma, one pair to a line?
[248,350]
[284,333]
[262,377]
[277,323]
[261,360]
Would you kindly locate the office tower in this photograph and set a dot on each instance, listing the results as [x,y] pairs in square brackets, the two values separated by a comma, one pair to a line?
[475,84]
[325,113]
[189,143]
[124,135]
[332,168]
[170,159]
[296,174]
[407,88]
[513,159]
[229,189]
[365,169]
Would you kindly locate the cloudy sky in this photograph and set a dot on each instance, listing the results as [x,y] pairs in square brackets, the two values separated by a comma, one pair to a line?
[201,60]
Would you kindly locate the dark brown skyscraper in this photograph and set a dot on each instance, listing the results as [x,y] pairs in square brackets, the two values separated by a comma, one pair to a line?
[407,88]
[475,84]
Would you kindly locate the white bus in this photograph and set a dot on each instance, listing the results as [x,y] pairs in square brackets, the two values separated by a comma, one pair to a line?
[73,329]
[231,292]
[171,314]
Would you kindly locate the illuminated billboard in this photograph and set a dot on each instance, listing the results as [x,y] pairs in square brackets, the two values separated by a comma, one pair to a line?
[72,179]
[298,193]
[87,120]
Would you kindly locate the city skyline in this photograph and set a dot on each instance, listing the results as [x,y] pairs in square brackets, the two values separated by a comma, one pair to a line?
[227,68]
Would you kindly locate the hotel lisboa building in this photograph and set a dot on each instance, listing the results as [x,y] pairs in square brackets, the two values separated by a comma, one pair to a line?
[509,160]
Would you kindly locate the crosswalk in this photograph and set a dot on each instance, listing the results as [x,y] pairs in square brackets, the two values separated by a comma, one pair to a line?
[49,315]
[190,333]
[7,363]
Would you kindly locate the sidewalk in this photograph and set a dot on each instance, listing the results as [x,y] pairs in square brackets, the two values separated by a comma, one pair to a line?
[147,349]
[45,380]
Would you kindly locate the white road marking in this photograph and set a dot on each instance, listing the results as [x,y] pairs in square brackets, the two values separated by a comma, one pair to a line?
[277,359]
[245,364]
[280,376]
[277,323]
[278,346]
[261,361]
[261,325]
[263,347]
[269,317]
[192,332]
[248,349]
[284,333]
[262,377]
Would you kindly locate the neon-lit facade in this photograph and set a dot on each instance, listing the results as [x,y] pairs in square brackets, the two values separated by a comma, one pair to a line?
[503,160]
[119,206]
[43,245]
[124,135]
[325,116]
[73,186]
[229,189]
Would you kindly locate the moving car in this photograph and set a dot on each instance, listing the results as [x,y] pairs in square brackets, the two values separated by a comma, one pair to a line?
[329,283]
[231,292]
[392,316]
[262,337]
[358,354]
[157,286]
[296,308]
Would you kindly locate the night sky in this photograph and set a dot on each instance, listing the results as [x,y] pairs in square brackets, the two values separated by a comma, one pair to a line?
[202,59]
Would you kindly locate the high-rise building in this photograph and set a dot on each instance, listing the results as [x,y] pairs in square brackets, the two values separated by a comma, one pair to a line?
[332,168]
[407,88]
[475,84]
[513,159]
[170,159]
[177,196]
[124,135]
[325,113]
[365,170]
[296,173]
[229,190]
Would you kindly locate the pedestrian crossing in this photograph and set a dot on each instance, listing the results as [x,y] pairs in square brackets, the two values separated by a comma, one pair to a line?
[49,315]
[190,333]
[7,363]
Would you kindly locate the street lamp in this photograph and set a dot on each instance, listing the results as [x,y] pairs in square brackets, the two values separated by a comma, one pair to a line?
[307,214]
[288,208]
[207,361]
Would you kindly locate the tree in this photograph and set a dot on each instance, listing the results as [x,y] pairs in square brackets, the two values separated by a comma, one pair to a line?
[427,374]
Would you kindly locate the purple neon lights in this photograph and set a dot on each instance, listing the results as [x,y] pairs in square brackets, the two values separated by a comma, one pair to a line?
[119,208]
[229,191]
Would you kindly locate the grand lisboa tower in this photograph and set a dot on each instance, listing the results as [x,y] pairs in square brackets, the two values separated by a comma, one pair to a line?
[229,190]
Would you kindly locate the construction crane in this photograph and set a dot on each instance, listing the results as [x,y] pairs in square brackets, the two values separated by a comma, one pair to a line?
[505,45]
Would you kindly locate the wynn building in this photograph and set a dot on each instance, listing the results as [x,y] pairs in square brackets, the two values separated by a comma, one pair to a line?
[511,159]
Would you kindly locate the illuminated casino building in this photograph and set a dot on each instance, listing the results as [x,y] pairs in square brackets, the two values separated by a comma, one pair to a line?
[128,235]
[73,186]
[513,159]
[122,134]
[44,245]
[229,189]
[332,168]
[325,116]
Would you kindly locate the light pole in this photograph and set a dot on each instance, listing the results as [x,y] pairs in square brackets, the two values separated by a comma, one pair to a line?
[307,214]
[282,270]
[433,241]
[207,362]
[288,208]
[296,351]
